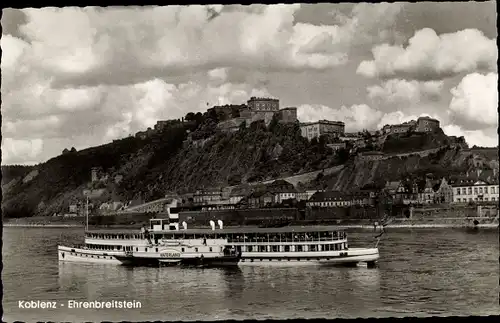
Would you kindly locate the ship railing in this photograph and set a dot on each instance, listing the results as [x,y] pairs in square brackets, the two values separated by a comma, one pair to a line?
[298,239]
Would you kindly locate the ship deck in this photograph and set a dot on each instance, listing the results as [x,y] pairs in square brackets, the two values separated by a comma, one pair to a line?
[230,230]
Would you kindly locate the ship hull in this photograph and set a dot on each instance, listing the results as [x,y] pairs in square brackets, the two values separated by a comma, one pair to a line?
[351,257]
[190,262]
[71,254]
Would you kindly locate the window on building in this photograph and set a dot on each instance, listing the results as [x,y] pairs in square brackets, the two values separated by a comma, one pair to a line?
[470,190]
[486,190]
[480,190]
[458,191]
[475,190]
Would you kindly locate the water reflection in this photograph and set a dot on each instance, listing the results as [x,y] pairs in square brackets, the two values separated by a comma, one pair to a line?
[421,273]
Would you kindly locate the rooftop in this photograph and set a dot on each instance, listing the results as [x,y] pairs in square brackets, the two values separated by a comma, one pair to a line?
[253,98]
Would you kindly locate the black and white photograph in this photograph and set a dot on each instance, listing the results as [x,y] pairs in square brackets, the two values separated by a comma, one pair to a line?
[249,161]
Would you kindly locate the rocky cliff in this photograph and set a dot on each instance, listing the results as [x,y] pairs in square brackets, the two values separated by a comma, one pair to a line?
[174,160]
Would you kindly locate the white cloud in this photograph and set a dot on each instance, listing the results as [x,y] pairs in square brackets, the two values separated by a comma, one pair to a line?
[431,56]
[12,49]
[218,74]
[482,138]
[475,100]
[397,90]
[83,76]
[89,46]
[20,151]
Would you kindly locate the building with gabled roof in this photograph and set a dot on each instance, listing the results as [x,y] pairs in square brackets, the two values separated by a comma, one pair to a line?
[329,199]
[471,190]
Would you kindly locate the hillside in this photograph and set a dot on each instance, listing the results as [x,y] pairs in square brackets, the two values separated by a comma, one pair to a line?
[161,163]
[186,156]
[448,161]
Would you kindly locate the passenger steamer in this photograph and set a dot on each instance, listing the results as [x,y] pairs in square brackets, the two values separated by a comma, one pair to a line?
[151,248]
[167,244]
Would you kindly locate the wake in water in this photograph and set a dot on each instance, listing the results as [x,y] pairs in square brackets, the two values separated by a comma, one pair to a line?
[386,220]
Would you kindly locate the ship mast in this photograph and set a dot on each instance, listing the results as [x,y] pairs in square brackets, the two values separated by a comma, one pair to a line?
[87,215]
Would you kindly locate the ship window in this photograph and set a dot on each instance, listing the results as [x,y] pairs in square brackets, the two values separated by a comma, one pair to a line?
[262,248]
[249,248]
[156,249]
[288,259]
[195,249]
[251,260]
[210,249]
[145,249]
[287,248]
[182,249]
[312,247]
[299,247]
[136,249]
[274,248]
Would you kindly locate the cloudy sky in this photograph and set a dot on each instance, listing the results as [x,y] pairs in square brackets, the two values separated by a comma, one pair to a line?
[85,76]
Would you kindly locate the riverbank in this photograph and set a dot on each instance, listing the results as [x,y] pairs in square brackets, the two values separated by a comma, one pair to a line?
[347,226]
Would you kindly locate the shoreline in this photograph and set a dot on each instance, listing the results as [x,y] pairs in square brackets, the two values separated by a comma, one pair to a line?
[347,226]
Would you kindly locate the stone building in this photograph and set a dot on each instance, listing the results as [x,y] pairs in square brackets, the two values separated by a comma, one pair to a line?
[427,124]
[288,115]
[262,109]
[263,104]
[312,130]
[399,128]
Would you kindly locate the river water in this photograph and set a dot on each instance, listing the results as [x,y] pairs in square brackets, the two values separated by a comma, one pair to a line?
[422,272]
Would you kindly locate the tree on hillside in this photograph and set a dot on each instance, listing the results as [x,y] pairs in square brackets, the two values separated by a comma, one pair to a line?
[274,124]
[190,116]
[243,126]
